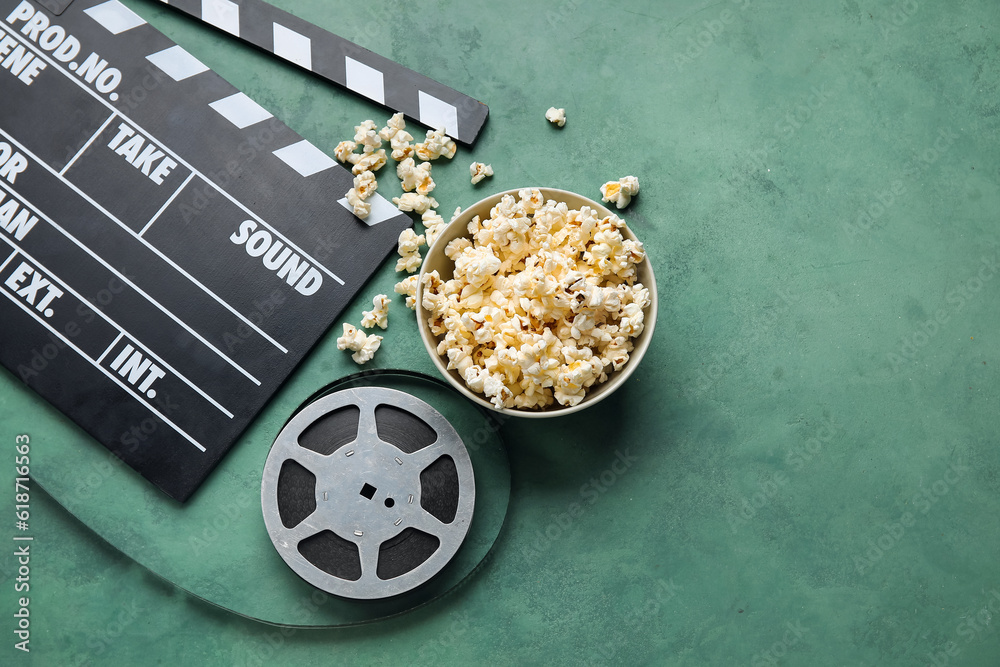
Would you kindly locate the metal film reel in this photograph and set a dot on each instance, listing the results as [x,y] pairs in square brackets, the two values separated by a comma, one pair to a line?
[368,493]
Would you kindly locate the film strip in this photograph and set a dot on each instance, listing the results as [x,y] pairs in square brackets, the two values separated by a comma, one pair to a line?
[278,590]
[170,250]
[343,62]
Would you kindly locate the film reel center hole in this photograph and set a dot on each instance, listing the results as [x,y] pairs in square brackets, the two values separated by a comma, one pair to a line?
[368,491]
[389,502]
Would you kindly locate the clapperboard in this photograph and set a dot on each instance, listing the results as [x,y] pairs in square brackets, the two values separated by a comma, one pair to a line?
[169,251]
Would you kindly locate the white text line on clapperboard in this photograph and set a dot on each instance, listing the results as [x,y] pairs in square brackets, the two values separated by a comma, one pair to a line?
[12,163]
[21,62]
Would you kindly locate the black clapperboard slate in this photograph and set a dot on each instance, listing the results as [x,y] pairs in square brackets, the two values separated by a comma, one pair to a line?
[169,251]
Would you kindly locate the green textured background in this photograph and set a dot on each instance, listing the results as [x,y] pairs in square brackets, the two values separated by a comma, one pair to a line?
[815,428]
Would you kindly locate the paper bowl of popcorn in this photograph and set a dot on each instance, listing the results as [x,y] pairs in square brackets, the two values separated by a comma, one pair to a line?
[536,302]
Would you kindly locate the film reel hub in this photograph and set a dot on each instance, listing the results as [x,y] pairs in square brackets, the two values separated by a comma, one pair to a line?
[369,488]
[368,493]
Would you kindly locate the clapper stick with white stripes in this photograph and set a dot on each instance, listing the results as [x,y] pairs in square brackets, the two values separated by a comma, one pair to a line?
[345,63]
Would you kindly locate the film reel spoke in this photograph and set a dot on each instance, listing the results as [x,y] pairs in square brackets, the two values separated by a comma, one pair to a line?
[422,458]
[292,536]
[369,553]
[367,428]
[315,463]
[427,523]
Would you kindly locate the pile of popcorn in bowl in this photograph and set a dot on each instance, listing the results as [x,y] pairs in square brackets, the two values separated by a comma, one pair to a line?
[536,301]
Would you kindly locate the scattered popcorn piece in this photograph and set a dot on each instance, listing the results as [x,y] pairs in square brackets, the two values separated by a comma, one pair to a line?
[630,185]
[409,242]
[365,184]
[401,147]
[543,302]
[363,128]
[378,315]
[362,345]
[408,246]
[412,201]
[362,209]
[479,171]
[620,192]
[367,351]
[399,139]
[368,161]
[436,144]
[404,170]
[366,136]
[431,218]
[393,126]
[454,216]
[612,192]
[408,286]
[409,263]
[351,339]
[415,176]
[556,116]
[434,224]
[344,150]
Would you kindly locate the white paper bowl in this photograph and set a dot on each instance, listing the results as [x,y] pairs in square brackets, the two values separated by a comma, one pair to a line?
[436,260]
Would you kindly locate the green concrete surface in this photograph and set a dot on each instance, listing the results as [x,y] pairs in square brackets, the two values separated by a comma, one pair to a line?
[804,469]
